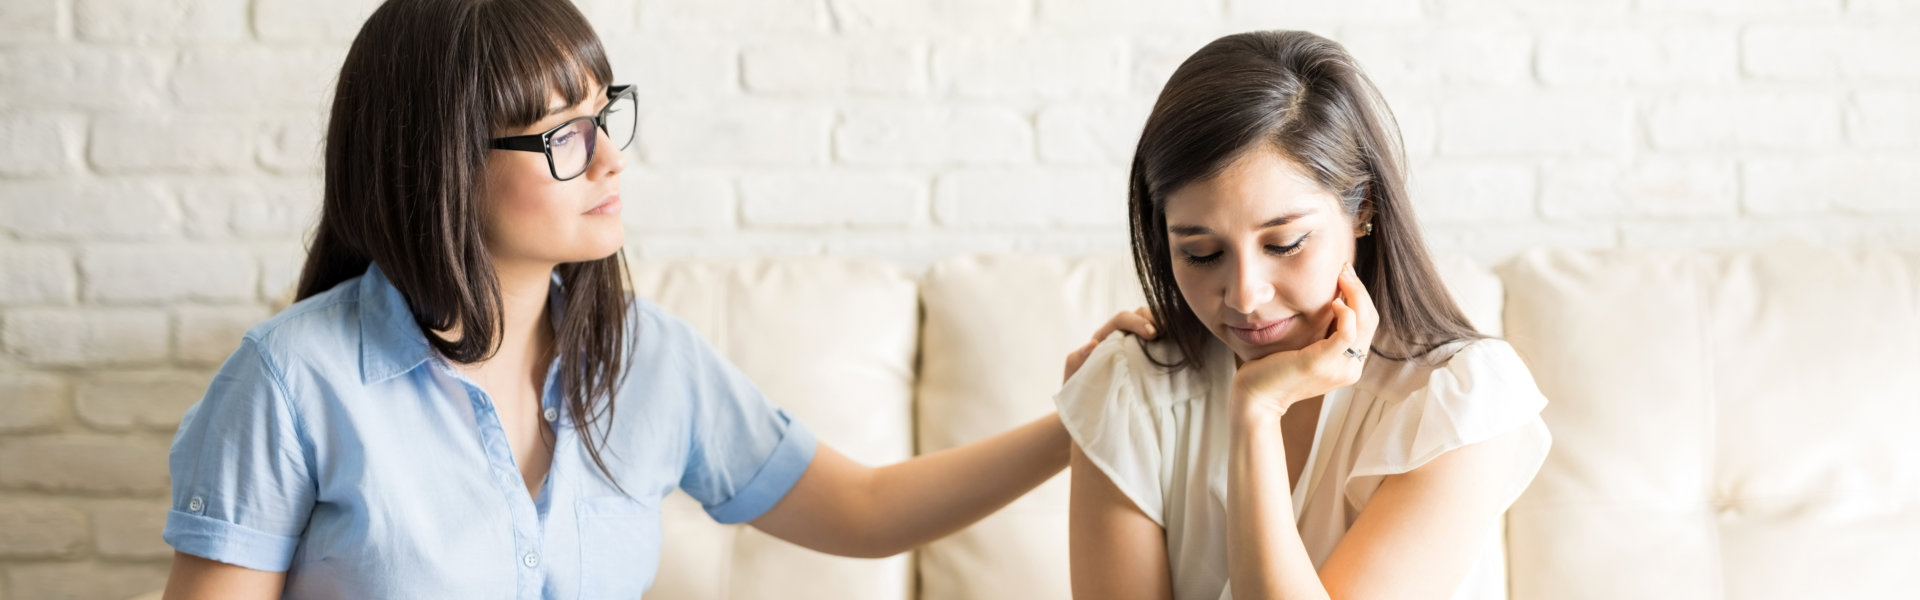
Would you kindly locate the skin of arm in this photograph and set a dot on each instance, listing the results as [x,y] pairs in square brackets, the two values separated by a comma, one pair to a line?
[195,577]
[842,507]
[1116,550]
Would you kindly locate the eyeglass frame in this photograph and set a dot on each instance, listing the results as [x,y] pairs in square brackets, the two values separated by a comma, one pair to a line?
[543,142]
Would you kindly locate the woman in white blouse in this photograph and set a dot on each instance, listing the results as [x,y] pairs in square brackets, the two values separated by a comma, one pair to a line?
[1316,418]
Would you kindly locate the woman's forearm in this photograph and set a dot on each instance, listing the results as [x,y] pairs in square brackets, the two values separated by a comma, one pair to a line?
[930,496]
[1265,557]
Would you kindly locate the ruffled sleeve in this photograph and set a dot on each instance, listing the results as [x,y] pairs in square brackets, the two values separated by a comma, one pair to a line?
[1109,417]
[1483,392]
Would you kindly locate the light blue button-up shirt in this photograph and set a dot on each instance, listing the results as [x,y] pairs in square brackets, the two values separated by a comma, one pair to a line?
[338,446]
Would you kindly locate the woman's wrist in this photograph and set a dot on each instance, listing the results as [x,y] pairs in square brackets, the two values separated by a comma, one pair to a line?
[1257,411]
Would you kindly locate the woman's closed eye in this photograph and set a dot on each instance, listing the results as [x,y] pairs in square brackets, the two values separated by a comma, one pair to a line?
[1282,251]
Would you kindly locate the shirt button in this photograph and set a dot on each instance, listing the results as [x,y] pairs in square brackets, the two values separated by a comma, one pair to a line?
[551,415]
[532,560]
[195,505]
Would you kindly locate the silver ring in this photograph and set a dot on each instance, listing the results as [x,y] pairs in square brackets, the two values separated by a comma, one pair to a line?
[1355,354]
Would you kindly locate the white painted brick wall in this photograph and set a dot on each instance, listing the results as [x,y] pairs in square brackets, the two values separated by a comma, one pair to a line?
[159,166]
[39,143]
[108,79]
[144,21]
[1883,119]
[677,200]
[754,134]
[1731,122]
[205,335]
[1691,56]
[146,400]
[1029,197]
[1679,187]
[1023,67]
[812,199]
[929,17]
[916,136]
[36,275]
[1528,124]
[85,463]
[34,401]
[1089,134]
[1476,191]
[834,68]
[86,210]
[158,273]
[41,529]
[130,529]
[31,20]
[85,337]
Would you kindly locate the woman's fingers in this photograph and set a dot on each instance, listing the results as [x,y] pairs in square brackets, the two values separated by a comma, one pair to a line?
[1138,321]
[1146,316]
[1078,358]
[1362,302]
[1133,322]
[1346,323]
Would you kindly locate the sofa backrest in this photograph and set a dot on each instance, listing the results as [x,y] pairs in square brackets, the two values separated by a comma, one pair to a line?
[1726,424]
[831,340]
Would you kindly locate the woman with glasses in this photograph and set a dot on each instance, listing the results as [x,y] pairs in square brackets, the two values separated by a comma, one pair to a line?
[464,403]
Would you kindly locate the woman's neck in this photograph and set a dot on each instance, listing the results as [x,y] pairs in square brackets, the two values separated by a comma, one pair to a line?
[523,308]
[525,338]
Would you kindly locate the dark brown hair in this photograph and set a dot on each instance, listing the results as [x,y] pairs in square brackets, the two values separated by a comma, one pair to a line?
[426,85]
[1304,96]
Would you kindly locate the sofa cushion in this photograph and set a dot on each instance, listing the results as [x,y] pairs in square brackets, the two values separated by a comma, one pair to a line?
[1726,424]
[833,342]
[996,333]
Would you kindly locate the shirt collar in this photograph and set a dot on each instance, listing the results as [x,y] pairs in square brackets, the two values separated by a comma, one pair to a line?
[391,343]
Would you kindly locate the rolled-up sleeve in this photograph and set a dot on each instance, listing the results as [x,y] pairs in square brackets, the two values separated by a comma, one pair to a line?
[745,453]
[242,486]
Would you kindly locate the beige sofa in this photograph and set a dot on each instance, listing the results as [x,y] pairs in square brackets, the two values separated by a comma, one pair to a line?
[1727,424]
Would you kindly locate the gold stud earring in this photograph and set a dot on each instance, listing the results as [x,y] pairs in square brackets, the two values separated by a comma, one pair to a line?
[1368,230]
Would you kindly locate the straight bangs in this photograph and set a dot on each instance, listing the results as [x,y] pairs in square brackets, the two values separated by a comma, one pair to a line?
[532,54]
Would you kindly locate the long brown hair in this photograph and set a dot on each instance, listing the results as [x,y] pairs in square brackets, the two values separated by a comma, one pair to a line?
[426,85]
[1304,96]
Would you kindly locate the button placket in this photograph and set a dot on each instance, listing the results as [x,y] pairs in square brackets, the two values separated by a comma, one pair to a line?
[499,457]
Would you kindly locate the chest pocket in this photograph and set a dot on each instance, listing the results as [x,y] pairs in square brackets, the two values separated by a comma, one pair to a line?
[619,546]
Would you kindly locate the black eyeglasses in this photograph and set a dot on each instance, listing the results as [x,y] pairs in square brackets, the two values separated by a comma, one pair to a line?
[569,146]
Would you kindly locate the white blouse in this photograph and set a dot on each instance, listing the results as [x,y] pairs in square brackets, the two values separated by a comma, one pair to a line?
[1162,437]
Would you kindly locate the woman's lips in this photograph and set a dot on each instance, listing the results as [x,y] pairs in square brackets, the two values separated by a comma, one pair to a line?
[609,206]
[1261,334]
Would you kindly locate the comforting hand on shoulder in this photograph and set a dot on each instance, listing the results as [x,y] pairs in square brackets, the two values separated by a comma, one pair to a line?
[1138,321]
[1266,386]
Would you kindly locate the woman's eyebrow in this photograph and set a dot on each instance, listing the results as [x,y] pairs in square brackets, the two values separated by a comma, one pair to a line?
[1271,223]
[560,108]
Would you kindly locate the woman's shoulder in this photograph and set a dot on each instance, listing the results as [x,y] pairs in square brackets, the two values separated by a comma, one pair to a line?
[1468,387]
[1116,410]
[653,328]
[323,329]
[1476,358]
[1126,364]
[1462,393]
